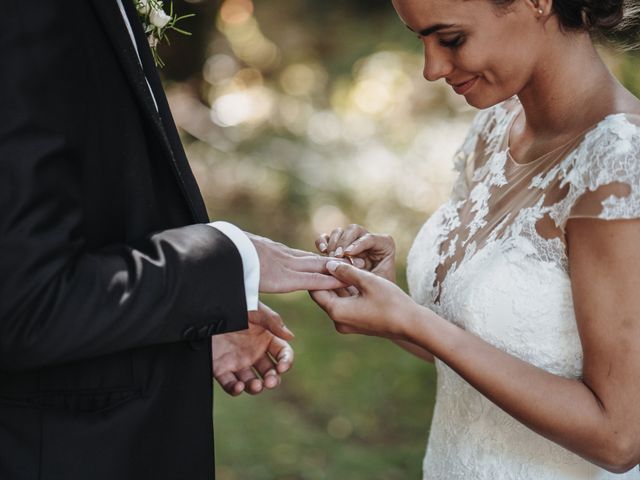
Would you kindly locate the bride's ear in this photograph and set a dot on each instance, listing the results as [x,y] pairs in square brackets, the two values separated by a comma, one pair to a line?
[540,8]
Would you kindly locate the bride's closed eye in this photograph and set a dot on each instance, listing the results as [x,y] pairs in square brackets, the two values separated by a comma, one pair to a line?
[454,42]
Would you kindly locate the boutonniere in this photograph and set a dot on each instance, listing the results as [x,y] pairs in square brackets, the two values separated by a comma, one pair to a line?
[156,23]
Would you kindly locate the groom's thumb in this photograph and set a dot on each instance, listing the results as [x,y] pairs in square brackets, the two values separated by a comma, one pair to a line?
[347,274]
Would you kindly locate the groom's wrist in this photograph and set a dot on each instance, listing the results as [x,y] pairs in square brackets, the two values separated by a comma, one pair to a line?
[250,260]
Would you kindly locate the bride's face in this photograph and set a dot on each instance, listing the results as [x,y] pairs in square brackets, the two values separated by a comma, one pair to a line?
[485,53]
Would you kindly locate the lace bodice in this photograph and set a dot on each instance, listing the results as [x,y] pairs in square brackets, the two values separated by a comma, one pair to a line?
[493,261]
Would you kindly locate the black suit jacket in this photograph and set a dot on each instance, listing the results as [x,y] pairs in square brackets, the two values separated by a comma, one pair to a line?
[110,284]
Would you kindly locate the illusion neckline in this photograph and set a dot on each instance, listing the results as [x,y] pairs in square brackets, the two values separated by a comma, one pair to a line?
[573,143]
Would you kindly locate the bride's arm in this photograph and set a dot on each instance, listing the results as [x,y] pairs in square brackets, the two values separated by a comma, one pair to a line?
[597,417]
[414,349]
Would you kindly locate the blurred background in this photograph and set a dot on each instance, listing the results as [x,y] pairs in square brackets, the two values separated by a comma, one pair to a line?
[299,116]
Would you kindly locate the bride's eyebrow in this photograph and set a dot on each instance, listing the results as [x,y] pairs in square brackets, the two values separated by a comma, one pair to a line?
[425,32]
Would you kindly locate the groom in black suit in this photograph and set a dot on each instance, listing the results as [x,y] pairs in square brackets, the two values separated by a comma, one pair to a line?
[111,282]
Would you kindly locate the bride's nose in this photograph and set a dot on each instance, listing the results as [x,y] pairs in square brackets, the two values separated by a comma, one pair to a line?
[437,63]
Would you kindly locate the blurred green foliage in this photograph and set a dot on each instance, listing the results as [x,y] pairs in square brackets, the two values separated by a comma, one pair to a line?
[350,409]
[299,116]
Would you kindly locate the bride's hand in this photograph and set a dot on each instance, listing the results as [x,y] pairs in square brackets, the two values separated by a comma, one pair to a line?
[380,308]
[371,251]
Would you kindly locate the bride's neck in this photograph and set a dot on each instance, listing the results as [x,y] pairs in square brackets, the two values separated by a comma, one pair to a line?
[570,88]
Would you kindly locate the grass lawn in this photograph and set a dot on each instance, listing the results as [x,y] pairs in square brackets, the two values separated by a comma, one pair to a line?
[352,408]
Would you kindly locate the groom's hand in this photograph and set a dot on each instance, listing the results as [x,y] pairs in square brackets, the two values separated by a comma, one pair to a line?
[253,359]
[284,269]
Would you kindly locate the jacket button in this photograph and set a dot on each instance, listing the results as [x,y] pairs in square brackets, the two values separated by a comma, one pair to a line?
[203,332]
[190,333]
[220,326]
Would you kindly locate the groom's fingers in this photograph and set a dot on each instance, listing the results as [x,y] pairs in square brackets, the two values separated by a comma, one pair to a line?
[253,384]
[310,263]
[283,354]
[230,383]
[267,371]
[317,281]
[270,320]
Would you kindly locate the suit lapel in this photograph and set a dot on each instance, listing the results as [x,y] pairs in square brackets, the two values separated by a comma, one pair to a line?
[162,123]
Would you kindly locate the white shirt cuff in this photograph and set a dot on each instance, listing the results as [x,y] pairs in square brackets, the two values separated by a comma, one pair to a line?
[250,260]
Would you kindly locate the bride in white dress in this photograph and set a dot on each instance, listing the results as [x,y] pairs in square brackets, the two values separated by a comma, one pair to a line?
[525,284]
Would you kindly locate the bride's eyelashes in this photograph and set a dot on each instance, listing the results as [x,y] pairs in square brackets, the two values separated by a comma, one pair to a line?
[451,43]
[454,42]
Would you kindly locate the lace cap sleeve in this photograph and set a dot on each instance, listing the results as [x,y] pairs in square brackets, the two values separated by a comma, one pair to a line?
[604,178]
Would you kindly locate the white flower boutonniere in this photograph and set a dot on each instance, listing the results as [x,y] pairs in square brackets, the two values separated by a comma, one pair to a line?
[156,23]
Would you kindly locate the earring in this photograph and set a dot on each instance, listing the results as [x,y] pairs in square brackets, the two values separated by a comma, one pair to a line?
[540,11]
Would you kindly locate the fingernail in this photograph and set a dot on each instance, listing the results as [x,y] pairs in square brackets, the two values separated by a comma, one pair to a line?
[323,247]
[338,251]
[332,265]
[332,254]
[271,382]
[270,372]
[359,262]
[286,329]
[284,358]
[349,248]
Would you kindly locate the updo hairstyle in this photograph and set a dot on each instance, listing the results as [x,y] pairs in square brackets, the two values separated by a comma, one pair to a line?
[611,19]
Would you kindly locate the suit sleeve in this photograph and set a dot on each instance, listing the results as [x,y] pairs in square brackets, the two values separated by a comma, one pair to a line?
[61,300]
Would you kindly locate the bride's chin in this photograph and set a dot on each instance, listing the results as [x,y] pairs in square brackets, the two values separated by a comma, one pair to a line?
[481,101]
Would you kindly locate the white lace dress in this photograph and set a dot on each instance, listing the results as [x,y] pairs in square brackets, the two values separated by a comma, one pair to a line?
[493,261]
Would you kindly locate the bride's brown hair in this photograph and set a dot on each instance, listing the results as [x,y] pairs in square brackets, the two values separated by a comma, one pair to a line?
[617,20]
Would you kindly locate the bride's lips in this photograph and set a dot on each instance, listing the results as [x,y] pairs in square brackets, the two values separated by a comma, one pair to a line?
[464,87]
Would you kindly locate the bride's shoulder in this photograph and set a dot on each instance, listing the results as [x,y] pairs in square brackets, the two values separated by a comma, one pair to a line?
[603,172]
[611,146]
[617,127]
[617,134]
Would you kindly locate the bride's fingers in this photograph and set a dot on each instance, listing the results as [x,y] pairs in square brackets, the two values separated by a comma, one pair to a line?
[333,241]
[363,262]
[350,235]
[324,299]
[230,383]
[342,292]
[343,238]
[351,276]
[322,242]
[266,368]
[363,243]
[253,384]
[380,243]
